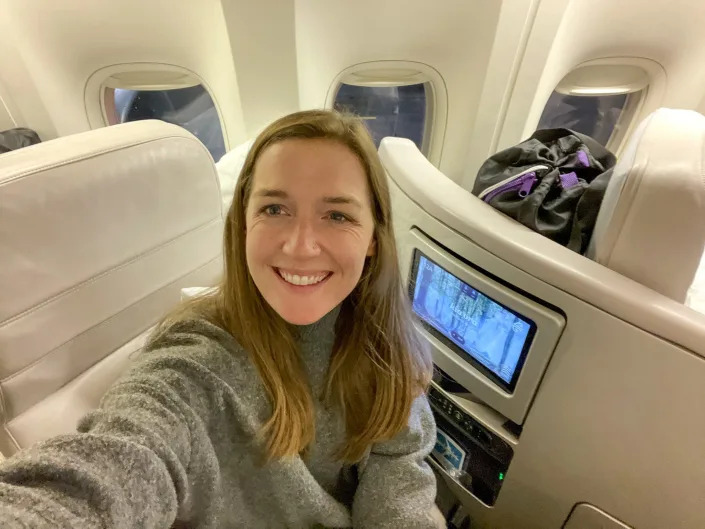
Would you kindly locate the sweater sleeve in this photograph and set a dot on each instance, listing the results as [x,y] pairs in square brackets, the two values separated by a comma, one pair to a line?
[142,460]
[397,488]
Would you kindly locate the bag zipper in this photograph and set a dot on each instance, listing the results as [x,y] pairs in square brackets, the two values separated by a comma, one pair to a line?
[568,180]
[583,158]
[524,181]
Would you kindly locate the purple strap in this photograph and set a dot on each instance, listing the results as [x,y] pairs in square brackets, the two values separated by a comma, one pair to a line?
[569,180]
[583,157]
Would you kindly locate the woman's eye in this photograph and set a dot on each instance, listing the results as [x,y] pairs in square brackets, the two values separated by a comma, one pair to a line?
[273,210]
[336,216]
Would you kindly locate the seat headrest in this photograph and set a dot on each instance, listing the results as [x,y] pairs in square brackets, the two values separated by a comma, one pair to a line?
[651,225]
[229,167]
[96,225]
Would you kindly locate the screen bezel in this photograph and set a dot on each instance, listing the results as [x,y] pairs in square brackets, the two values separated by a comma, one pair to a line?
[510,386]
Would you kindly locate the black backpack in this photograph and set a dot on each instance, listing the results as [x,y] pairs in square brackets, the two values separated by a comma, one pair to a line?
[553,183]
[14,139]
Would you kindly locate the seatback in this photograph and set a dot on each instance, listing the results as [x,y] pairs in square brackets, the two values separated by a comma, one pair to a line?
[615,421]
[651,226]
[98,234]
[229,167]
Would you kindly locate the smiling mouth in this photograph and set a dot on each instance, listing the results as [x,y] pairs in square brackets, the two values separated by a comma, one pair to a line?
[301,280]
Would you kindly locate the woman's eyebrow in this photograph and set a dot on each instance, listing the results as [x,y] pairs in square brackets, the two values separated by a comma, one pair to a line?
[271,193]
[278,193]
[343,200]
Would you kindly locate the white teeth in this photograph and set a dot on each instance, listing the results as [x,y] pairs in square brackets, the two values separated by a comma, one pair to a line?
[302,280]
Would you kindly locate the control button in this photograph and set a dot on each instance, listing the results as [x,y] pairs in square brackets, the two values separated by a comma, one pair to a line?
[485,438]
[458,416]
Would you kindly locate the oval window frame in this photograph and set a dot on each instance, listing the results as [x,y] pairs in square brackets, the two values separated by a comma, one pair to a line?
[634,111]
[140,76]
[403,73]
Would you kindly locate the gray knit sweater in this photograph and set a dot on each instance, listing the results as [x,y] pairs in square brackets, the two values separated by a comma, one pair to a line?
[174,440]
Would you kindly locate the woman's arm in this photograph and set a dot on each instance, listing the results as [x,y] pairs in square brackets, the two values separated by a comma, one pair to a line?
[397,487]
[144,457]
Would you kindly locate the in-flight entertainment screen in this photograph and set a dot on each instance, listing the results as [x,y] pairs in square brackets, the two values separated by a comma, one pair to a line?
[482,331]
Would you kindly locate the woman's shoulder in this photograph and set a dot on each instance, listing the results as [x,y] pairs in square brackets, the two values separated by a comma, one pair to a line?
[190,355]
[194,337]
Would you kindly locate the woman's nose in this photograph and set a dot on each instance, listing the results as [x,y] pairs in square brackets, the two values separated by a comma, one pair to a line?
[301,239]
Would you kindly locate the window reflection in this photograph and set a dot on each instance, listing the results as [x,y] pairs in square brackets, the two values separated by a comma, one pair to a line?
[191,108]
[595,116]
[398,111]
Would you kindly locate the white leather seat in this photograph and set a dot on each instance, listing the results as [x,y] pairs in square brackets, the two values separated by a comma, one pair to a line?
[651,225]
[696,293]
[98,234]
[229,167]
[623,387]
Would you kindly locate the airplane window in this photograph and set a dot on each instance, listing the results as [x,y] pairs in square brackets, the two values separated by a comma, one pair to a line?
[387,110]
[597,116]
[191,108]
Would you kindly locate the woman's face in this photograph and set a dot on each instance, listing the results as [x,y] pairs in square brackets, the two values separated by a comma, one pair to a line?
[309,227]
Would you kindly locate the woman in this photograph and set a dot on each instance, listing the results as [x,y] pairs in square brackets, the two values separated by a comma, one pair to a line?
[292,396]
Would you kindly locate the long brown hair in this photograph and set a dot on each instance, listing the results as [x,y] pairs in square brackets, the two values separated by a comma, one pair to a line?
[379,364]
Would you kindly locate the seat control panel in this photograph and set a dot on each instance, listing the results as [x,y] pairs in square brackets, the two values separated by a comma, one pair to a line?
[474,455]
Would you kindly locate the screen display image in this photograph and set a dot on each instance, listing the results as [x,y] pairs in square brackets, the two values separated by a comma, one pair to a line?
[491,334]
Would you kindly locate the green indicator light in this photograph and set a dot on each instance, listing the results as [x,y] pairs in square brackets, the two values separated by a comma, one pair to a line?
[501,476]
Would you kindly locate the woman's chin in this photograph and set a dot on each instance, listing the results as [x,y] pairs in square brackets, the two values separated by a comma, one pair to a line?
[304,315]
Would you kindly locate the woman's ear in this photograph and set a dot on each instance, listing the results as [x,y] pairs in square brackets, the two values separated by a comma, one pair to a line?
[372,247]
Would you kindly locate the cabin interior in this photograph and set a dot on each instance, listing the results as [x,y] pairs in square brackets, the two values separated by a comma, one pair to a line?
[593,416]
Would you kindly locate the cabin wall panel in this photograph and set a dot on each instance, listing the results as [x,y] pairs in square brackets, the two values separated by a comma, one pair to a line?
[263,41]
[584,30]
[61,44]
[20,94]
[455,38]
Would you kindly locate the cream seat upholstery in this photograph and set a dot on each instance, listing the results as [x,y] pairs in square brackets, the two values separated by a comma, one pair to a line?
[229,167]
[621,397]
[98,234]
[651,226]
